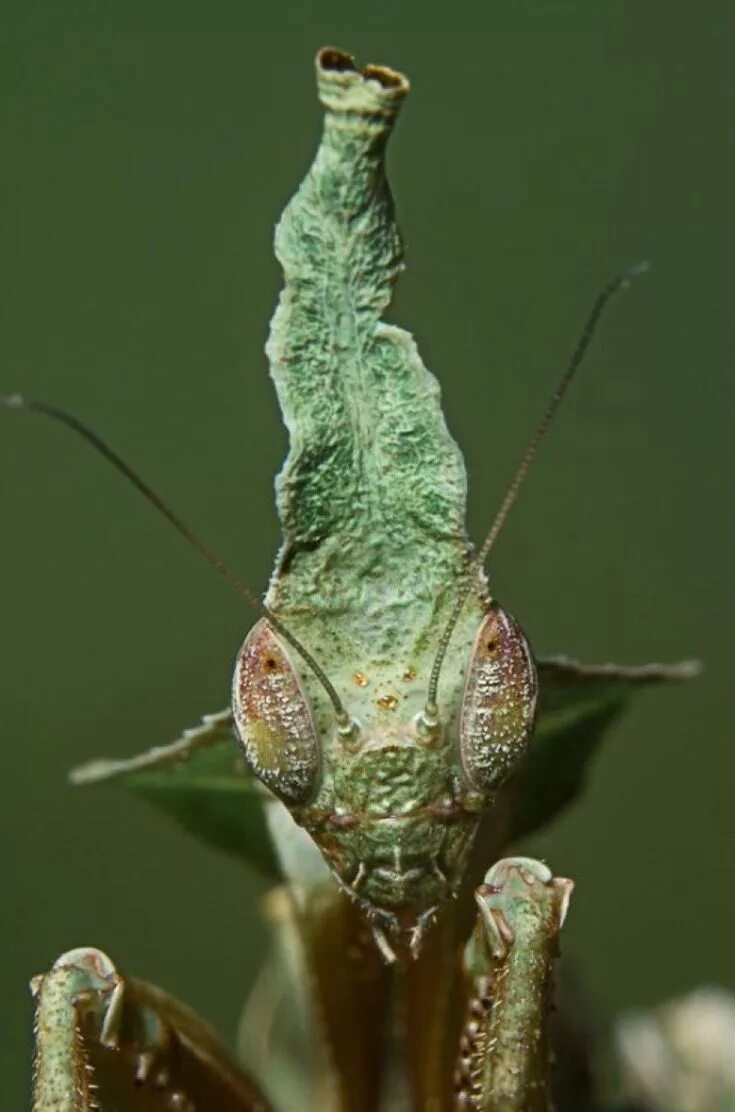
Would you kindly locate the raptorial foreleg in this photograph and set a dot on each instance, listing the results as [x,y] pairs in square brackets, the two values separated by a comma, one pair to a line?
[504,1056]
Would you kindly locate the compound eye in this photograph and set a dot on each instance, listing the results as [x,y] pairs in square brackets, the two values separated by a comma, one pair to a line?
[499,702]
[273,719]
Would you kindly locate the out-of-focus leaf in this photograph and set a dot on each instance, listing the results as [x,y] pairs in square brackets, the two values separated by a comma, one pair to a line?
[202,782]
[578,704]
[681,1057]
[106,1041]
[315,1026]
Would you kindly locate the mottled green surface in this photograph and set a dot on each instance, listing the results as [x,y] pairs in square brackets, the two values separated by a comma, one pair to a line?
[372,496]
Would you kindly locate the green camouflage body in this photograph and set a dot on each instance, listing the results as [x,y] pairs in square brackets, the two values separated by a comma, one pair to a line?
[372,503]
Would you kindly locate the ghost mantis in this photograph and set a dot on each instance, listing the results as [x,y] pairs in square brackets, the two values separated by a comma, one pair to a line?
[380,737]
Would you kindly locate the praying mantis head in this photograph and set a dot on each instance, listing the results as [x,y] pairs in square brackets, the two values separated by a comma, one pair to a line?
[390,793]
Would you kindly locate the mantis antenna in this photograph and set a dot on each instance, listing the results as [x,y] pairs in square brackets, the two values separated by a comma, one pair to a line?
[17,401]
[620,282]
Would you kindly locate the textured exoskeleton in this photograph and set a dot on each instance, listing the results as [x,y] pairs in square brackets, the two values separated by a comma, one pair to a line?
[375,557]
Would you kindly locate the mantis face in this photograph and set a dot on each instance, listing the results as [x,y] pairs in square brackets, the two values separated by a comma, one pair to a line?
[392,800]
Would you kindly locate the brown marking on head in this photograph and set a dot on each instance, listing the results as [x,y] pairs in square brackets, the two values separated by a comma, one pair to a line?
[273,719]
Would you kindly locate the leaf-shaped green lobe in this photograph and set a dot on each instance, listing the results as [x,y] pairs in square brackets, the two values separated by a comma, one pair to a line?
[201,781]
[372,494]
[578,704]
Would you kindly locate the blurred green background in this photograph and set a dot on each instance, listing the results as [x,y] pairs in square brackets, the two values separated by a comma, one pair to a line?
[146,156]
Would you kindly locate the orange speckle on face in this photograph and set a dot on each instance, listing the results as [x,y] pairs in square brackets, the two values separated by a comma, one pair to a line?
[409,674]
[360,680]
[387,702]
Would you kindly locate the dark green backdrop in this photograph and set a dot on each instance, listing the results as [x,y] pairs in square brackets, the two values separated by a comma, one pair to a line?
[144,163]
